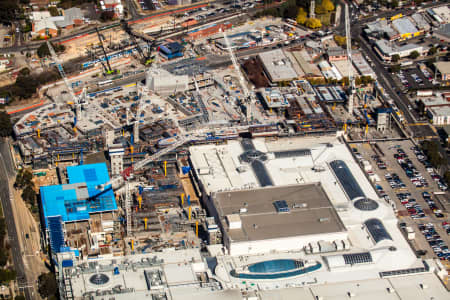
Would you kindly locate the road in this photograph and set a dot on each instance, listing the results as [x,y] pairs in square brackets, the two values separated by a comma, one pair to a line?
[6,172]
[132,9]
[135,16]
[384,77]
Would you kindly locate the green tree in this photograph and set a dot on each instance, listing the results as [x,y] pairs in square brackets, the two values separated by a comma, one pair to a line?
[53,11]
[394,68]
[313,23]
[43,51]
[47,285]
[6,275]
[29,195]
[107,16]
[447,178]
[9,11]
[328,5]
[23,178]
[395,58]
[394,3]
[6,128]
[432,51]
[414,54]
[3,257]
[431,149]
[301,16]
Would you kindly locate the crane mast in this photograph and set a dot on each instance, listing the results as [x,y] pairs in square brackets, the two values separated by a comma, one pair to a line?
[351,79]
[142,89]
[248,96]
[75,99]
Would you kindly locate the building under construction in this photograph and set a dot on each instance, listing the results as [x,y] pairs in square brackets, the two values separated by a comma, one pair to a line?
[166,211]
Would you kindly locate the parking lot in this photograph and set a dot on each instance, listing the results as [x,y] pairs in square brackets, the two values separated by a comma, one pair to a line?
[415,78]
[403,180]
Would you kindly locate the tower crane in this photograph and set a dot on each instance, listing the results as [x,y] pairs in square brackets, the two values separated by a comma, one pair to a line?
[147,58]
[351,79]
[78,101]
[249,97]
[138,118]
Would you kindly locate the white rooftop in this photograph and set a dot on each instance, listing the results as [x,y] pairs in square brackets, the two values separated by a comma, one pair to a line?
[277,66]
[404,26]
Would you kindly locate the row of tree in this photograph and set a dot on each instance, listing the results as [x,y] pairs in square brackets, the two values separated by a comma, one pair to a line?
[27,84]
[43,50]
[6,128]
[24,181]
[360,80]
[47,286]
[302,19]
[431,149]
[6,273]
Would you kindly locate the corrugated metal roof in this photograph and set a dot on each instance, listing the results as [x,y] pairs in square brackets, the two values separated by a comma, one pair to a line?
[404,26]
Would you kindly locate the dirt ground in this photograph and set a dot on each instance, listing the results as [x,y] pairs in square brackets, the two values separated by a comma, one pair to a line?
[5,79]
[255,73]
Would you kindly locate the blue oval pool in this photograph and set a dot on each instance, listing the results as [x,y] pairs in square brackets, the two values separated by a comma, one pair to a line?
[275,266]
[274,269]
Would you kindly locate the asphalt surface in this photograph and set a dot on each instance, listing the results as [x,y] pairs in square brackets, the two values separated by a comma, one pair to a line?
[135,16]
[7,171]
[132,9]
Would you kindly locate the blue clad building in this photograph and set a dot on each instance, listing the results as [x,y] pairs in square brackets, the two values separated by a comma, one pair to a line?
[76,200]
[171,50]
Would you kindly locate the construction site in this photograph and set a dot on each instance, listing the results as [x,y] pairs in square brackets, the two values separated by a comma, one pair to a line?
[113,140]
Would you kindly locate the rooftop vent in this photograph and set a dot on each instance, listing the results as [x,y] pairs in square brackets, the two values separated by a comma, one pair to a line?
[281,206]
[366,204]
[99,279]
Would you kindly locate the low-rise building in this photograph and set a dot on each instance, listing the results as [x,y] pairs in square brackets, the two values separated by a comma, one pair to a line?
[112,5]
[439,115]
[277,66]
[72,17]
[440,14]
[405,28]
[336,54]
[304,59]
[443,33]
[380,29]
[386,49]
[443,68]
[43,24]
[420,21]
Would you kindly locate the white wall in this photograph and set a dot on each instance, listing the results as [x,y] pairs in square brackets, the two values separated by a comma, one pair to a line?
[284,244]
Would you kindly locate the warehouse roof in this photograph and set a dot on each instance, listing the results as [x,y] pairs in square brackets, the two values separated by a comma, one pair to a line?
[404,26]
[70,15]
[420,21]
[279,212]
[444,30]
